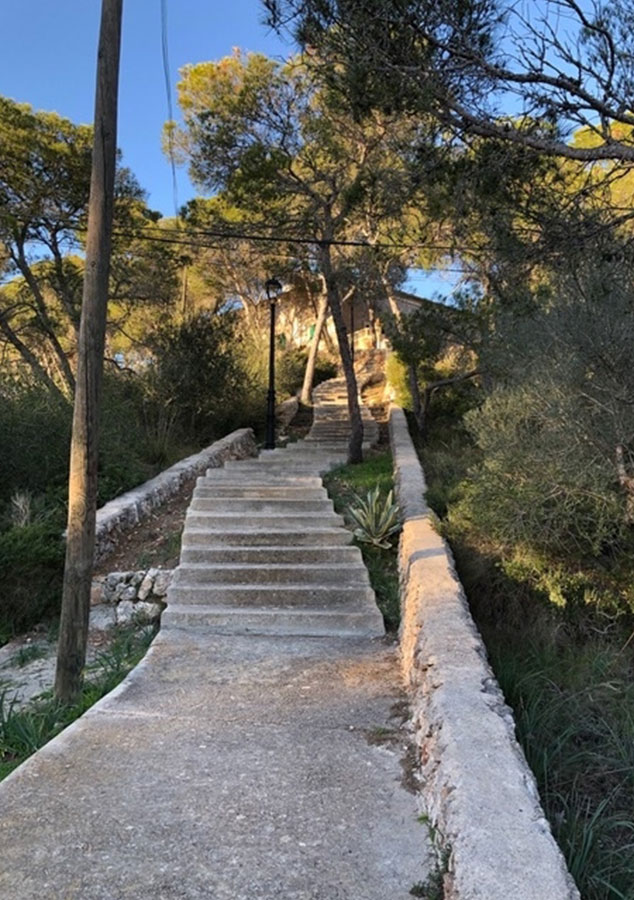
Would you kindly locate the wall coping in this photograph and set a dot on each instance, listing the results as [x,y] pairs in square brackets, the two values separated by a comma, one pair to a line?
[480,792]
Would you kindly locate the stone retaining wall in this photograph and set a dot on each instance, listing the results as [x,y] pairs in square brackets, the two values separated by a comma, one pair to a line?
[124,512]
[481,795]
[132,594]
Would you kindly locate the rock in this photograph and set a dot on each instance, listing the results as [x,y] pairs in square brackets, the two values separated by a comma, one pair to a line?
[102,617]
[125,612]
[137,578]
[285,412]
[162,582]
[149,612]
[129,593]
[145,588]
[97,592]
[113,579]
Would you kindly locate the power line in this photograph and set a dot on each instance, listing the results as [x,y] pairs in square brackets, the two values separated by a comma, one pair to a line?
[170,109]
[287,239]
[189,237]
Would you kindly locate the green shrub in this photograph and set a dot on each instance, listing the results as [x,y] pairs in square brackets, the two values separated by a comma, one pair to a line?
[124,460]
[343,485]
[31,570]
[25,730]
[325,368]
[557,628]
[290,369]
[397,378]
[196,386]
[540,485]
[34,439]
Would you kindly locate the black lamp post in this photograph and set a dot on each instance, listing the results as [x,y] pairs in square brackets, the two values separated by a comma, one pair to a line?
[273,289]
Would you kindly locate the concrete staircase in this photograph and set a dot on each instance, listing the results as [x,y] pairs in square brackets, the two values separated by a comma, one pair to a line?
[263,551]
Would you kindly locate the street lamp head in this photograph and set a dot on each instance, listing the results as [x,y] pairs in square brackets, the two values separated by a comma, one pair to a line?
[273,287]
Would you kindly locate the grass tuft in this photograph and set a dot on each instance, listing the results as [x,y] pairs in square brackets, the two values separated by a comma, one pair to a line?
[28,653]
[24,730]
[344,486]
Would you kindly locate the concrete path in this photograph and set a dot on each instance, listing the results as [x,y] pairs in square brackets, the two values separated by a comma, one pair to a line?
[257,751]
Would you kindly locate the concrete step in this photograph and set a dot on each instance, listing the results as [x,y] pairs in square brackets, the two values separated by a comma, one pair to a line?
[310,448]
[281,596]
[312,459]
[251,537]
[316,441]
[308,623]
[281,521]
[326,446]
[247,505]
[341,429]
[337,557]
[331,413]
[278,471]
[259,492]
[282,468]
[262,478]
[268,574]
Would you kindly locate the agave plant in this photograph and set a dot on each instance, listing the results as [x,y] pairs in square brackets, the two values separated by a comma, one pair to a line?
[377,519]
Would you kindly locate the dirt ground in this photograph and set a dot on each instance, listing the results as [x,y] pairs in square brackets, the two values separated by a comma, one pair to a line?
[153,542]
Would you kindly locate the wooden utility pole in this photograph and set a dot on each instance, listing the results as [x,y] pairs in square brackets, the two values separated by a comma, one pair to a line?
[82,489]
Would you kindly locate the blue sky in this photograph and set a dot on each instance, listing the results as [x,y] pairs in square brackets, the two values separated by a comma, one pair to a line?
[48,58]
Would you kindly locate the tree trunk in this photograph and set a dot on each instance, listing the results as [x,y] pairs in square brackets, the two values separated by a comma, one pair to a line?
[355,446]
[391,299]
[45,321]
[31,360]
[309,374]
[184,293]
[431,389]
[82,493]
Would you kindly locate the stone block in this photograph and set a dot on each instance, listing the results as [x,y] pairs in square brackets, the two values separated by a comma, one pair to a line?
[145,588]
[162,581]
[150,612]
[97,592]
[102,617]
[125,612]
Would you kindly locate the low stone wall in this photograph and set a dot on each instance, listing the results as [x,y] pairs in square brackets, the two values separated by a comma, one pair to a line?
[124,512]
[481,795]
[130,594]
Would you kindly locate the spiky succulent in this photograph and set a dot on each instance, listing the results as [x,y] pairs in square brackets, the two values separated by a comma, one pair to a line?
[376,518]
